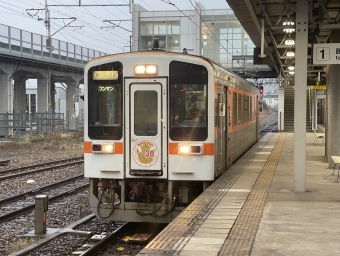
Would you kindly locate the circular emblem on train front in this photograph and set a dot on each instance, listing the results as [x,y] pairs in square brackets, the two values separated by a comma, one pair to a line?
[145,153]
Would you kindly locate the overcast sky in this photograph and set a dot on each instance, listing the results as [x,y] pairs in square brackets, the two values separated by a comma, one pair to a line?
[89,29]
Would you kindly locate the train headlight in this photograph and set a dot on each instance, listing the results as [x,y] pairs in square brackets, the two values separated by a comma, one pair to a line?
[139,69]
[107,148]
[146,69]
[151,69]
[190,149]
[184,149]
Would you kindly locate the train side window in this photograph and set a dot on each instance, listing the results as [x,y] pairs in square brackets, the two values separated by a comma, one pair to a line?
[239,109]
[215,112]
[234,109]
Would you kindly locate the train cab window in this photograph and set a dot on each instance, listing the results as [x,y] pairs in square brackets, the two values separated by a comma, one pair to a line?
[188,101]
[105,101]
[145,113]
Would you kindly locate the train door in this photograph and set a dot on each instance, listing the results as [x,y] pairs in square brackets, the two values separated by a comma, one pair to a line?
[221,130]
[145,132]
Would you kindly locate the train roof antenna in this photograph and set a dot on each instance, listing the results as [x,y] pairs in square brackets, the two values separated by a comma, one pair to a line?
[155,44]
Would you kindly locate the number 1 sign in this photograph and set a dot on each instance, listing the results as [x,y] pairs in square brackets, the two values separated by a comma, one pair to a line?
[326,54]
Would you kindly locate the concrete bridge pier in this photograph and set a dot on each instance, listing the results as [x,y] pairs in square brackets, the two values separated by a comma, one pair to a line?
[44,104]
[71,90]
[42,95]
[6,93]
[6,100]
[20,96]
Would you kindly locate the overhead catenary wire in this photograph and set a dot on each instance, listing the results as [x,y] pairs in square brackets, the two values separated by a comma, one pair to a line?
[213,35]
[104,37]
[209,20]
[68,36]
[212,32]
[96,29]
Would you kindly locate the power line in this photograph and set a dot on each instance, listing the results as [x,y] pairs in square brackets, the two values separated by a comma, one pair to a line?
[212,32]
[213,35]
[102,36]
[87,23]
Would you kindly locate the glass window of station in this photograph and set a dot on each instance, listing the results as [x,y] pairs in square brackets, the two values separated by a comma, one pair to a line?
[188,101]
[222,35]
[105,101]
[233,41]
[168,33]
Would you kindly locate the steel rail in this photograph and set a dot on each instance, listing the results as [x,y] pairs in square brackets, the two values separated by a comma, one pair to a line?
[39,165]
[35,191]
[19,174]
[25,209]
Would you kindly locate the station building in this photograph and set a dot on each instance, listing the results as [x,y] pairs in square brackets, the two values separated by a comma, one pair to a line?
[215,34]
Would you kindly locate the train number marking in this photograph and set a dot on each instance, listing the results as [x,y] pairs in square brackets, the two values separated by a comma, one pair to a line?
[145,153]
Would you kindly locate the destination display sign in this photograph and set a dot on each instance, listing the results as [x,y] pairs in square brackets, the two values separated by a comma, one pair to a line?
[105,75]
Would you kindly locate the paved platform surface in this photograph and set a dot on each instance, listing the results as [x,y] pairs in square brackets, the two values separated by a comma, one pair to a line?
[301,223]
[253,209]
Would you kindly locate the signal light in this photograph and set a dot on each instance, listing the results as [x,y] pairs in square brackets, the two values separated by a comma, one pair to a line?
[261,89]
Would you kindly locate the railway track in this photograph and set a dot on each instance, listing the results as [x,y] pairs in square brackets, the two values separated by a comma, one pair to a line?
[22,203]
[4,162]
[270,127]
[268,123]
[129,239]
[31,169]
[91,236]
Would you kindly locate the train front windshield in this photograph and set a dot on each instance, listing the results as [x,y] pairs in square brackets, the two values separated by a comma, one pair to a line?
[188,101]
[105,101]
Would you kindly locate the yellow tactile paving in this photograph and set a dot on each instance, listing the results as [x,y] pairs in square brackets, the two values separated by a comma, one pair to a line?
[227,214]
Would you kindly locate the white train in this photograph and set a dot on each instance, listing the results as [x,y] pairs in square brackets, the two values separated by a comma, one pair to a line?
[160,127]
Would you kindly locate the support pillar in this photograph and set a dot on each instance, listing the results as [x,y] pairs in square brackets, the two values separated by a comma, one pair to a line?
[20,97]
[43,115]
[42,95]
[19,104]
[281,109]
[333,106]
[71,90]
[6,94]
[198,31]
[315,110]
[6,102]
[300,96]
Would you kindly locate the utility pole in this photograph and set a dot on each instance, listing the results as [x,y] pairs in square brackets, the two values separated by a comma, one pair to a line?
[47,22]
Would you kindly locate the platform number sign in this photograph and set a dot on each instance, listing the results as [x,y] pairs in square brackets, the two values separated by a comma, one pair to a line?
[326,54]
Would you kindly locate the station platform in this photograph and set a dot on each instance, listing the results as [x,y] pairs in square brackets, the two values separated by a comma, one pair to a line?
[252,209]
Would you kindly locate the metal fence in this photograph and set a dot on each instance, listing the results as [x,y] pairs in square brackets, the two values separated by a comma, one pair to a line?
[25,44]
[17,125]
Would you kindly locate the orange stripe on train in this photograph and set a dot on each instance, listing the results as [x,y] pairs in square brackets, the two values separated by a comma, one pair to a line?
[119,147]
[208,149]
[87,147]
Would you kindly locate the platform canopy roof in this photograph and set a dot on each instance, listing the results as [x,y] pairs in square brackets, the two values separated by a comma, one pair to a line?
[277,15]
